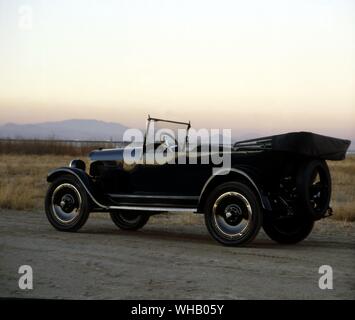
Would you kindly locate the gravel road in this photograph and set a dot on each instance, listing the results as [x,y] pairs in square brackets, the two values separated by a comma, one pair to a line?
[169,259]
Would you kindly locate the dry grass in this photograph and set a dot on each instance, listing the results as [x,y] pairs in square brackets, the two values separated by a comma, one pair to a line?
[23,179]
[23,182]
[343,182]
[50,147]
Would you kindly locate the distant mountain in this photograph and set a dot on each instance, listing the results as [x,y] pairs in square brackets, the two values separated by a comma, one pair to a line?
[81,129]
[74,129]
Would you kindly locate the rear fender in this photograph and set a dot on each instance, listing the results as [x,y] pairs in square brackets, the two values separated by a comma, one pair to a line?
[233,174]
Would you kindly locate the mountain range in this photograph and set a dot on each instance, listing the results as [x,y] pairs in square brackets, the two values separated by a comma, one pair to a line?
[74,129]
[82,129]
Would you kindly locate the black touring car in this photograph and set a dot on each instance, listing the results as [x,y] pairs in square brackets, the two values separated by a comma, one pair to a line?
[281,183]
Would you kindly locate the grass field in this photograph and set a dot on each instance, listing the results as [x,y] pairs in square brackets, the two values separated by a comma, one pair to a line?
[23,182]
[343,183]
[50,147]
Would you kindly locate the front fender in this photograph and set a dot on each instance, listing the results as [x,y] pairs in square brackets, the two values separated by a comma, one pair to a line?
[82,177]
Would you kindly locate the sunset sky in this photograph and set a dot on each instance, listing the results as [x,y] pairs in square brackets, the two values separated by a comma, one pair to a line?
[253,66]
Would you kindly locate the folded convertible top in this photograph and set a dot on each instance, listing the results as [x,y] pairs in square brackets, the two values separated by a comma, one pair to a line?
[304,143]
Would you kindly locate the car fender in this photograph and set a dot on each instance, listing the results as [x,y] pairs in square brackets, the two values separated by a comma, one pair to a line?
[232,174]
[82,177]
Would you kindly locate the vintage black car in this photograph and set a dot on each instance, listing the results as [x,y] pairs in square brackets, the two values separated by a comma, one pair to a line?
[281,183]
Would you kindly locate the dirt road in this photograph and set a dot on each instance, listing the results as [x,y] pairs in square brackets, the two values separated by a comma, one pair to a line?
[168,260]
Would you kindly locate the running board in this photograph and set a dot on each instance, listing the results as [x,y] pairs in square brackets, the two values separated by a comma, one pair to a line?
[161,202]
[157,209]
[151,196]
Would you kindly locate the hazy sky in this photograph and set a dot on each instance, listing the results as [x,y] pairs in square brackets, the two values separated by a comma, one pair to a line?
[255,66]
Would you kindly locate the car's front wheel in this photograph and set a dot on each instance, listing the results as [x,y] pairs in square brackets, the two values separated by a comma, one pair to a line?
[129,220]
[232,214]
[66,204]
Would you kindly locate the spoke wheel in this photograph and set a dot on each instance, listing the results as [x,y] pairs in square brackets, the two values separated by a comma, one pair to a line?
[289,229]
[232,214]
[66,204]
[129,220]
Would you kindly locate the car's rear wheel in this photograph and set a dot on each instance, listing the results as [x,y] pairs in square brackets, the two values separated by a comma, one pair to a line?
[288,229]
[66,204]
[232,214]
[129,220]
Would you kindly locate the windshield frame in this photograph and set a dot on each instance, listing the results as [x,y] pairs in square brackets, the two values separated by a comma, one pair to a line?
[150,119]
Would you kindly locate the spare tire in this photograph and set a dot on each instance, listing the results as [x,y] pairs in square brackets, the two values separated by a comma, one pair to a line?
[314,185]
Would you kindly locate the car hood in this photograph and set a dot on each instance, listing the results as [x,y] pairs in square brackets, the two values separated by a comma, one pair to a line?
[111,154]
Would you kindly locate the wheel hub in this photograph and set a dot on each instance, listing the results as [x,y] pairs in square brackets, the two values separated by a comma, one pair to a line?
[67,203]
[233,214]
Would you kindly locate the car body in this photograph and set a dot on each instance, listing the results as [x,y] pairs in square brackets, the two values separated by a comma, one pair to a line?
[270,180]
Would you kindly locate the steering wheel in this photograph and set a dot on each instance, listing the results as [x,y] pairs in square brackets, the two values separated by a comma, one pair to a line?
[169,141]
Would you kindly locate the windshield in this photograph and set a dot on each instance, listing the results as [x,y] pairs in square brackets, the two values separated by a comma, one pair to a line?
[173,133]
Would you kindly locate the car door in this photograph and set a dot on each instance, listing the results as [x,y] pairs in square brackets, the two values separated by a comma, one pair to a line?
[180,177]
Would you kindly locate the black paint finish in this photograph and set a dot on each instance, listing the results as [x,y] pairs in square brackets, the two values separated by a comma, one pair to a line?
[269,171]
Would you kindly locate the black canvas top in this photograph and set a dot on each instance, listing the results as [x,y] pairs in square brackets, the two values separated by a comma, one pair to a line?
[304,143]
[311,144]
